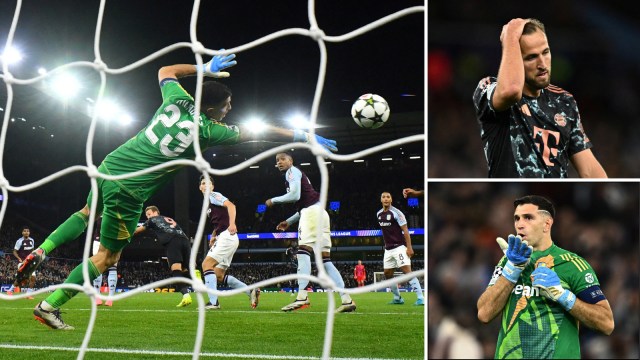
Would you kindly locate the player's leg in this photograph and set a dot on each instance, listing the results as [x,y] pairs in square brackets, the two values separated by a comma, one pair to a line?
[415,284]
[305,249]
[97,282]
[32,285]
[120,218]
[226,246]
[210,277]
[112,282]
[177,262]
[390,262]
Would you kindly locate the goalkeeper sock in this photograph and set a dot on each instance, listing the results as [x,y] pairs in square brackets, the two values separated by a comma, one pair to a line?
[112,280]
[304,268]
[334,274]
[69,230]
[211,281]
[61,296]
[415,283]
[97,283]
[234,283]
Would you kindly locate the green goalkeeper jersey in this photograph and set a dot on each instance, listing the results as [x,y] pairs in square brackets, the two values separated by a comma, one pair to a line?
[534,327]
[167,137]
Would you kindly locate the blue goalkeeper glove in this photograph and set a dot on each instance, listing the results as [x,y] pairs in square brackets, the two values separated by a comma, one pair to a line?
[518,253]
[548,282]
[219,62]
[301,136]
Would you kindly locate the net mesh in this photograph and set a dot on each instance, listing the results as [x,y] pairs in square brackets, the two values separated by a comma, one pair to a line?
[314,33]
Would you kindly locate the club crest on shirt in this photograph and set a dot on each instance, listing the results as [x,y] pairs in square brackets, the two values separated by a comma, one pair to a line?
[560,119]
[589,278]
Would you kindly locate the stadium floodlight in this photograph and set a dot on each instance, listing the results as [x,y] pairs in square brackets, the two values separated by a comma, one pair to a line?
[42,71]
[65,86]
[11,55]
[298,121]
[255,124]
[125,119]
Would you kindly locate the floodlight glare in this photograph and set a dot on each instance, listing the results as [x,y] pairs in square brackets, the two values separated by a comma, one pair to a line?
[298,121]
[65,86]
[11,55]
[255,125]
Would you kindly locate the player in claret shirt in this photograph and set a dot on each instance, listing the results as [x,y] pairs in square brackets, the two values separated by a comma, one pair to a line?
[397,247]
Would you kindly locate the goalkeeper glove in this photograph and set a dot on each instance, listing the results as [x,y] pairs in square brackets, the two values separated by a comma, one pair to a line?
[518,253]
[301,136]
[548,282]
[219,62]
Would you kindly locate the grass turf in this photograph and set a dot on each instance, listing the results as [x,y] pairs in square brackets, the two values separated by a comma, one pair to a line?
[149,326]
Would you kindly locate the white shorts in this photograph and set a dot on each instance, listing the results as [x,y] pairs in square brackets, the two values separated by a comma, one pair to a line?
[396,258]
[224,248]
[310,218]
[34,273]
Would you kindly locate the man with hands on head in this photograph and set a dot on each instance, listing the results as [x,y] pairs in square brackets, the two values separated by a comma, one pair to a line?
[543,291]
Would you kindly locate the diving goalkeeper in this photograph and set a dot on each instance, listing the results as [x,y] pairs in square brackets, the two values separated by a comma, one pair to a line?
[167,136]
[543,291]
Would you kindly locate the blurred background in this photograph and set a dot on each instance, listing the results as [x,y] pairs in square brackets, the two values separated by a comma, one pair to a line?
[598,221]
[595,56]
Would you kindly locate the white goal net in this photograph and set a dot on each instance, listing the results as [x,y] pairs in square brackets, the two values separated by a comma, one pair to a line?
[201,54]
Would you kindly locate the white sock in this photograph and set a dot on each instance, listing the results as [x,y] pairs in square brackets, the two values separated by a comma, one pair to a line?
[395,291]
[234,283]
[211,281]
[334,274]
[97,283]
[415,283]
[45,306]
[112,280]
[304,268]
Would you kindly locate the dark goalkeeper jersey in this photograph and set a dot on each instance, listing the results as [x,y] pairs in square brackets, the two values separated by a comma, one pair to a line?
[533,327]
[535,138]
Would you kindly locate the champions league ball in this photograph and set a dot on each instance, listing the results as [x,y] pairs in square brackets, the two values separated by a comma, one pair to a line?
[370,111]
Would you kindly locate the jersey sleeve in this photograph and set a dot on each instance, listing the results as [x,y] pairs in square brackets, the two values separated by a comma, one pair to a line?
[579,274]
[217,199]
[18,244]
[399,216]
[497,271]
[579,140]
[294,178]
[482,99]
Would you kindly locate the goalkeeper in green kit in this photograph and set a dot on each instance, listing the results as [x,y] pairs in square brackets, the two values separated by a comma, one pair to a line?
[543,291]
[168,136]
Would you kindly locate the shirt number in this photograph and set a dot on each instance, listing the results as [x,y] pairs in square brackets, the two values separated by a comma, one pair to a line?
[169,119]
[547,143]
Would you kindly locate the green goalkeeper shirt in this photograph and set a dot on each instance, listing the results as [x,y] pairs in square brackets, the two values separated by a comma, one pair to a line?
[167,137]
[533,327]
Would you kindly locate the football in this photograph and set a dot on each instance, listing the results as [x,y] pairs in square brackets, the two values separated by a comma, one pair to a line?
[370,111]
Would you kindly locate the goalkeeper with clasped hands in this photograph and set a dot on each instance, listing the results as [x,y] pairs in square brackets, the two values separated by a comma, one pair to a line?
[543,291]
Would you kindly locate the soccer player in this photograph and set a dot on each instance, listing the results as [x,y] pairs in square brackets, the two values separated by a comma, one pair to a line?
[359,273]
[222,246]
[168,136]
[21,250]
[543,291]
[310,216]
[397,247]
[176,243]
[530,128]
[112,273]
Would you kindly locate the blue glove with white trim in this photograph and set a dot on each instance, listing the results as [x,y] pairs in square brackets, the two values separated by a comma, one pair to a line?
[219,62]
[518,253]
[548,282]
[301,136]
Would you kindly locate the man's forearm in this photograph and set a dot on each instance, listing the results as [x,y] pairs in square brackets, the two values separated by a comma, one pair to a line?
[595,316]
[493,300]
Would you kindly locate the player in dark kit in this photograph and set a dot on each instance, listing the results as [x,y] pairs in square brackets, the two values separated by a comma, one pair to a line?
[543,291]
[530,128]
[176,243]
[397,247]
[23,247]
[310,217]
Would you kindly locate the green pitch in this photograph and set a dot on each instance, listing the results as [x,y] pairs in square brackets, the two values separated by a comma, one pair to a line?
[149,326]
